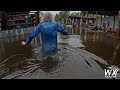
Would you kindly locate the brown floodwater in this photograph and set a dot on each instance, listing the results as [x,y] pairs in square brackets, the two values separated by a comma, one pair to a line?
[102,45]
[82,56]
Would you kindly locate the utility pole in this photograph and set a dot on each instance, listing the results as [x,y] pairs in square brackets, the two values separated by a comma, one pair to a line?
[37,17]
[96,19]
[118,33]
[81,22]
[87,20]
[0,19]
[3,20]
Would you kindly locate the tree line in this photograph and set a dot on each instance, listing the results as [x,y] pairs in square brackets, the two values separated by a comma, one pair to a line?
[64,14]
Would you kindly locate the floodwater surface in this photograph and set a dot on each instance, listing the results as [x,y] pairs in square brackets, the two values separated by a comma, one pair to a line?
[79,57]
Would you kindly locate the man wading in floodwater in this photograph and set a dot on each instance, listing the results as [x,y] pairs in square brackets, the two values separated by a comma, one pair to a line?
[48,30]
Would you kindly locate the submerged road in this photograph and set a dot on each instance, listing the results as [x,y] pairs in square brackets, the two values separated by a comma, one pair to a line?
[70,62]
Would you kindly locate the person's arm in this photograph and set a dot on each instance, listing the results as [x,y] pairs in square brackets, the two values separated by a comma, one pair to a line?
[33,34]
[62,30]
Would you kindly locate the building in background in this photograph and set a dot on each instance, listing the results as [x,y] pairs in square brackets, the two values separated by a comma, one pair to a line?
[22,19]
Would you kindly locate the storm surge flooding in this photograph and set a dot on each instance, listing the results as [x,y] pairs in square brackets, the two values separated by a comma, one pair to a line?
[28,62]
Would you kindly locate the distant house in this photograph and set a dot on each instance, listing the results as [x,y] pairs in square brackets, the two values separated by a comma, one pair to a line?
[105,19]
[112,20]
[77,19]
[15,20]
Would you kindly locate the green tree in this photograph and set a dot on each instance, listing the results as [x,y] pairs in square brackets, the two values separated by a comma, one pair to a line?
[75,14]
[62,15]
[57,17]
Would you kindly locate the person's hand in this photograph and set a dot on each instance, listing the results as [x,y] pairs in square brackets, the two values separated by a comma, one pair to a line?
[23,43]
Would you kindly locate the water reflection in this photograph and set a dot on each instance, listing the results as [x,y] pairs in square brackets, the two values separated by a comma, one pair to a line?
[103,46]
[115,58]
[18,61]
[72,40]
[66,63]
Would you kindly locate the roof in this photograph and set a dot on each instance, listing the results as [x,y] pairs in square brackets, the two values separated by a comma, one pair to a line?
[16,12]
[109,13]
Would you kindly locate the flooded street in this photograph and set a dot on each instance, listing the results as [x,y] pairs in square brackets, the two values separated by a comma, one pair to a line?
[79,57]
[103,46]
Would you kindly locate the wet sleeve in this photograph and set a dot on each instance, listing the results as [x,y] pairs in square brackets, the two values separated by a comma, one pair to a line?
[62,30]
[33,34]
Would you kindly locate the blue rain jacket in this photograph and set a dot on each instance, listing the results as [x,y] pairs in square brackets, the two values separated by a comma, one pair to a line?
[48,35]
